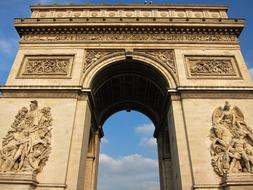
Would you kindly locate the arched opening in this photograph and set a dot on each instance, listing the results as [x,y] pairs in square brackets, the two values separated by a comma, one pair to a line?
[130,85]
[133,85]
[128,153]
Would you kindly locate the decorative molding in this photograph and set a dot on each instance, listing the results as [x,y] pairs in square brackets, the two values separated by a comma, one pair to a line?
[46,66]
[232,141]
[212,67]
[123,36]
[27,145]
[237,180]
[218,94]
[24,178]
[107,11]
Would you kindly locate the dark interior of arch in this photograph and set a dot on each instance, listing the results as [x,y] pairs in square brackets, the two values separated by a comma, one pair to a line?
[130,85]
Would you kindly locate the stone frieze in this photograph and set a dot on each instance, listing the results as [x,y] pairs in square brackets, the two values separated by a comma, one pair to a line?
[118,37]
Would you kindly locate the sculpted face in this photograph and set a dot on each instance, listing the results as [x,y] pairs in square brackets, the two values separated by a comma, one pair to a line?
[227,106]
[33,105]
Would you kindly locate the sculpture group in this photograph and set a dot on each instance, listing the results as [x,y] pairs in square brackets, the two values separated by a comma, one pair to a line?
[26,147]
[232,141]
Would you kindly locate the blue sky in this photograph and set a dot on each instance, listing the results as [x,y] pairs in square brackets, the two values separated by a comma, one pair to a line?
[128,152]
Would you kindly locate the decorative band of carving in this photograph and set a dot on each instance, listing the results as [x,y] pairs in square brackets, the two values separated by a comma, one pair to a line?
[45,66]
[125,36]
[212,67]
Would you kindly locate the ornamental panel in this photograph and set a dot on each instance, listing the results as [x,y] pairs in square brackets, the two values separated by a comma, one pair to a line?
[213,67]
[46,66]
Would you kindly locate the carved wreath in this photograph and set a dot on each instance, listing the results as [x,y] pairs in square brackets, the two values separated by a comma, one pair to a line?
[232,141]
[26,147]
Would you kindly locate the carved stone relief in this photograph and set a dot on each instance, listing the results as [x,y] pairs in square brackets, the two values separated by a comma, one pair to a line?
[92,56]
[46,66]
[165,56]
[27,145]
[232,141]
[166,37]
[210,66]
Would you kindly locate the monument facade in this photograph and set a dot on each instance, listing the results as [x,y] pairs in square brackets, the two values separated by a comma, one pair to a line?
[180,65]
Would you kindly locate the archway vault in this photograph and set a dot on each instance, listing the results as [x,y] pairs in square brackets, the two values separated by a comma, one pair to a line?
[130,85]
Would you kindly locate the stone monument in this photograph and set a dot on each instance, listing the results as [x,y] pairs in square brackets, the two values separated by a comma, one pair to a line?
[181,65]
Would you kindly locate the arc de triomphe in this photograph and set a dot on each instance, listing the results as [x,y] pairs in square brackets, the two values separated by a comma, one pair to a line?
[180,65]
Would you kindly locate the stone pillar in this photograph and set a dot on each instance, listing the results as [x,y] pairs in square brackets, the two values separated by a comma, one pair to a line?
[181,166]
[79,146]
[92,161]
[164,157]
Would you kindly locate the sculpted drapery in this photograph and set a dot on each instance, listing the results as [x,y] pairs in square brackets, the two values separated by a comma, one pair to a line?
[232,141]
[26,147]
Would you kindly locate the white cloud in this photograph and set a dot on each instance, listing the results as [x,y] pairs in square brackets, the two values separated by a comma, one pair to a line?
[128,172]
[251,72]
[148,142]
[104,140]
[146,129]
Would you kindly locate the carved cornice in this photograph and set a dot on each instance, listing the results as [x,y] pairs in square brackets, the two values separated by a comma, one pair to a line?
[214,92]
[211,92]
[185,92]
[217,95]
[97,29]
[76,92]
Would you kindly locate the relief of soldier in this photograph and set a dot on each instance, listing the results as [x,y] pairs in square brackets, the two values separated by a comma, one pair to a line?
[232,141]
[26,147]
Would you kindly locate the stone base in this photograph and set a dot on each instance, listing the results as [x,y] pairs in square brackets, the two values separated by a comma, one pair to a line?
[238,181]
[18,181]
